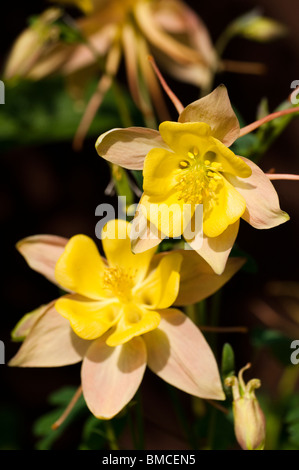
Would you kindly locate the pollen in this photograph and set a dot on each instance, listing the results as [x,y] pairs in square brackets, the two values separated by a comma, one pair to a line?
[118,283]
[199,179]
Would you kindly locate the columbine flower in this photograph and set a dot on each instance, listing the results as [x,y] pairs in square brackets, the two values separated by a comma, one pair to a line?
[248,417]
[135,28]
[117,317]
[188,163]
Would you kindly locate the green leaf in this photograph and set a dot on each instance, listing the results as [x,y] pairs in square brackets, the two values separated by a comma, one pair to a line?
[228,361]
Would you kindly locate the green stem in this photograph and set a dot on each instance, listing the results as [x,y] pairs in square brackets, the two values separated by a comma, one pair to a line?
[111,437]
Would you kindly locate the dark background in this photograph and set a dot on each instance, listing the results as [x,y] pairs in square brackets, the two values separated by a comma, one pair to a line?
[51,189]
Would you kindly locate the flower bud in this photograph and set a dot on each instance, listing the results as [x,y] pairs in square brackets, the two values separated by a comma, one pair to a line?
[248,417]
[31,44]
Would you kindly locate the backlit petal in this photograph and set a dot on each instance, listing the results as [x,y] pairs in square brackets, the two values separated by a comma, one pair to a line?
[25,325]
[262,203]
[42,252]
[128,147]
[144,235]
[50,343]
[80,268]
[198,280]
[215,109]
[179,354]
[111,376]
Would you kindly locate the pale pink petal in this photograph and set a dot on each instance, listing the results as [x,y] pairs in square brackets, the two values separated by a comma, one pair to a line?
[144,235]
[198,280]
[42,252]
[160,39]
[215,109]
[215,250]
[179,354]
[112,375]
[50,343]
[262,203]
[128,147]
[25,325]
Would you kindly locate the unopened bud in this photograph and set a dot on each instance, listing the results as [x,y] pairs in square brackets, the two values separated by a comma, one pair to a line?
[249,420]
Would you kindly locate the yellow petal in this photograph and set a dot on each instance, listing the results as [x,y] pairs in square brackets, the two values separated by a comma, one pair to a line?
[230,162]
[88,319]
[161,287]
[128,147]
[160,172]
[134,321]
[168,214]
[182,138]
[117,246]
[80,268]
[214,109]
[224,210]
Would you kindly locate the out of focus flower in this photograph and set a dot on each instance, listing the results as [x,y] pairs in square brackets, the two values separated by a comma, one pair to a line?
[168,29]
[249,419]
[188,163]
[117,317]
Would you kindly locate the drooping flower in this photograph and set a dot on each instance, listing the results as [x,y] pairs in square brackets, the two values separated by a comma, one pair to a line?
[117,317]
[133,28]
[249,420]
[188,163]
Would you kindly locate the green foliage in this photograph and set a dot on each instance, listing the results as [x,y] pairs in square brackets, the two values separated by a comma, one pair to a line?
[42,112]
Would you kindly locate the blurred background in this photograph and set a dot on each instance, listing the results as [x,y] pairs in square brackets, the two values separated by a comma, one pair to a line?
[48,188]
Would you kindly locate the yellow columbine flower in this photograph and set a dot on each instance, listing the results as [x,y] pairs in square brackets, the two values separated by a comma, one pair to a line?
[117,317]
[112,29]
[188,163]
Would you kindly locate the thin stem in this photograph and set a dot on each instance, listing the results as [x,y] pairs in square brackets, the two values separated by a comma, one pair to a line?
[176,102]
[224,329]
[283,176]
[236,66]
[68,409]
[217,406]
[251,127]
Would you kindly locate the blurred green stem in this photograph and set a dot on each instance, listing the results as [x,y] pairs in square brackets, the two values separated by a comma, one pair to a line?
[111,437]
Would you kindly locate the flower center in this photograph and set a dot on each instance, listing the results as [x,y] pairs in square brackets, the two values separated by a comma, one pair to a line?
[199,178]
[118,283]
